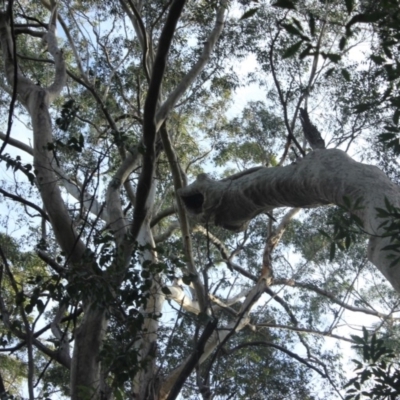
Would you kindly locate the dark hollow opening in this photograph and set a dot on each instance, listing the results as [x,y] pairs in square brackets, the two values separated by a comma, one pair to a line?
[194,203]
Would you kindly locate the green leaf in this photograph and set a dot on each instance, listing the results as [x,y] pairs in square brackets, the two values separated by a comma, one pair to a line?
[305,52]
[292,29]
[348,242]
[342,42]
[346,74]
[323,233]
[40,305]
[347,202]
[333,57]
[311,24]
[249,13]
[349,5]
[394,247]
[384,137]
[378,59]
[392,73]
[329,72]
[366,18]
[165,290]
[332,251]
[292,50]
[29,308]
[390,128]
[357,339]
[396,116]
[118,394]
[357,220]
[359,108]
[298,24]
[285,4]
[387,52]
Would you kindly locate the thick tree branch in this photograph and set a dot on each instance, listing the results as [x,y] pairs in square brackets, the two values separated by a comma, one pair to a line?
[322,177]
[193,359]
[18,144]
[167,233]
[149,126]
[162,214]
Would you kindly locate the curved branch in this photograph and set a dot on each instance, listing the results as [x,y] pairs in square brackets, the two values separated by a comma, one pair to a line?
[115,215]
[281,348]
[183,219]
[21,200]
[16,143]
[50,40]
[162,214]
[188,79]
[70,40]
[305,330]
[140,29]
[167,233]
[193,359]
[322,177]
[325,293]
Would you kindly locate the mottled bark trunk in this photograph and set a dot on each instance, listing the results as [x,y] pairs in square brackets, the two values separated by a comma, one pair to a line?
[322,177]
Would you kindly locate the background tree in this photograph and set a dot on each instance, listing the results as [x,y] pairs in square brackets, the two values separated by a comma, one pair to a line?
[110,289]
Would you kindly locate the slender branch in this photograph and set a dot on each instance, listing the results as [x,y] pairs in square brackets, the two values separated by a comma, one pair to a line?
[50,40]
[282,100]
[144,41]
[116,217]
[325,293]
[281,348]
[305,330]
[53,264]
[188,79]
[26,203]
[183,219]
[272,241]
[70,41]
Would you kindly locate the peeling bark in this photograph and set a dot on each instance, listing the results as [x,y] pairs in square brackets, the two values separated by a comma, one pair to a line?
[322,177]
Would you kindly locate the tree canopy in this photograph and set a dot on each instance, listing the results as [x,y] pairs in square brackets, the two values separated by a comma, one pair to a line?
[199,199]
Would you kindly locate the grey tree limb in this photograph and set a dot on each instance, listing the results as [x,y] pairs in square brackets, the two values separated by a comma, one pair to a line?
[323,177]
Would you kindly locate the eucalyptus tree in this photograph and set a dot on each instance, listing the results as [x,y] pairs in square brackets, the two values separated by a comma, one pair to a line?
[140,293]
